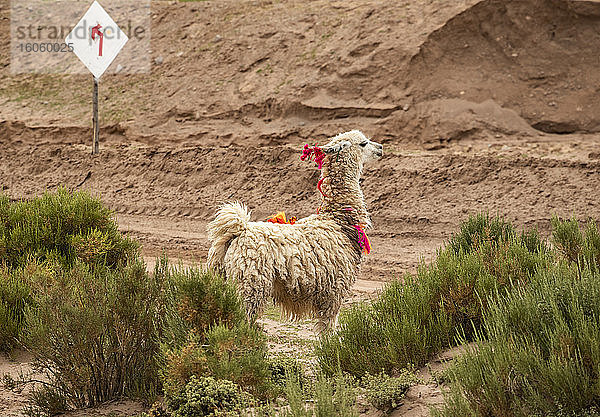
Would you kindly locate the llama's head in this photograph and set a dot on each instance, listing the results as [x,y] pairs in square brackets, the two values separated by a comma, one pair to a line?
[342,160]
[353,148]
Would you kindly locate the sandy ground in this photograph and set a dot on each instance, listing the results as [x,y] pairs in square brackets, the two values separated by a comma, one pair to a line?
[482,105]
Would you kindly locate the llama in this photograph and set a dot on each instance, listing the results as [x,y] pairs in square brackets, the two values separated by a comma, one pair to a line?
[310,266]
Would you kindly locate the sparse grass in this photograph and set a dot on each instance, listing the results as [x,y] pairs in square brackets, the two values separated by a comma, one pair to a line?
[290,336]
[41,87]
[332,397]
[272,312]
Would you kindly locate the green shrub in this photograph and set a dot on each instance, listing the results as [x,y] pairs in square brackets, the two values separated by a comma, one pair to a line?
[61,226]
[95,332]
[539,354]
[240,354]
[479,229]
[386,392]
[576,245]
[414,318]
[52,231]
[205,299]
[207,396]
[359,343]
[211,336]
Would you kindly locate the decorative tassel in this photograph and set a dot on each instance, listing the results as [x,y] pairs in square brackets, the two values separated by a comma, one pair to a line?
[315,151]
[363,239]
[279,218]
[319,184]
[319,155]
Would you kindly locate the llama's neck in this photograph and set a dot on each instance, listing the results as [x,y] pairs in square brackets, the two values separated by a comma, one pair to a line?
[343,197]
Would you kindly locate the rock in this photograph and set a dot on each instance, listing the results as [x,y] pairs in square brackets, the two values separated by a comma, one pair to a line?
[159,60]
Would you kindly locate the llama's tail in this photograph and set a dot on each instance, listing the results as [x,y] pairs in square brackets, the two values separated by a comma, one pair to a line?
[231,220]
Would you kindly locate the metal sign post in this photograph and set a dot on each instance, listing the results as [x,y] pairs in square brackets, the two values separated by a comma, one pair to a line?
[96,40]
[95,125]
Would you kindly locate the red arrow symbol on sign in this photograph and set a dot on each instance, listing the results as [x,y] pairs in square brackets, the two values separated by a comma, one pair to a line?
[96,32]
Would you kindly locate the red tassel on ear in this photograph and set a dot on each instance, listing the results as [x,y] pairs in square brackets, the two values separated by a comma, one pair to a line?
[315,151]
[319,155]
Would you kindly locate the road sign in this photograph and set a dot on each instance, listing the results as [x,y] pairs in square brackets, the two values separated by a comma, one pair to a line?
[97,40]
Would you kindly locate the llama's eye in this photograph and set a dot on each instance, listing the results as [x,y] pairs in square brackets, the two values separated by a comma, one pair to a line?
[363,144]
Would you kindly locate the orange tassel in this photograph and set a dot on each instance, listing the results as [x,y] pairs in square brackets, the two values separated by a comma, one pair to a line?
[280,218]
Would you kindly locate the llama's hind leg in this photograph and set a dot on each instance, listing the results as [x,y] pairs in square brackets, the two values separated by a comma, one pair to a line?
[255,292]
[327,314]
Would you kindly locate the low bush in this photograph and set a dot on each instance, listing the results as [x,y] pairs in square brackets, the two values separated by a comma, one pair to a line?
[207,396]
[386,392]
[52,231]
[283,367]
[204,299]
[238,354]
[481,228]
[241,355]
[61,226]
[95,332]
[414,318]
[539,353]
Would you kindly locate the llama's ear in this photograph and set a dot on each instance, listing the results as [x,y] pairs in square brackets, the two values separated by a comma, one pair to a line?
[336,147]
